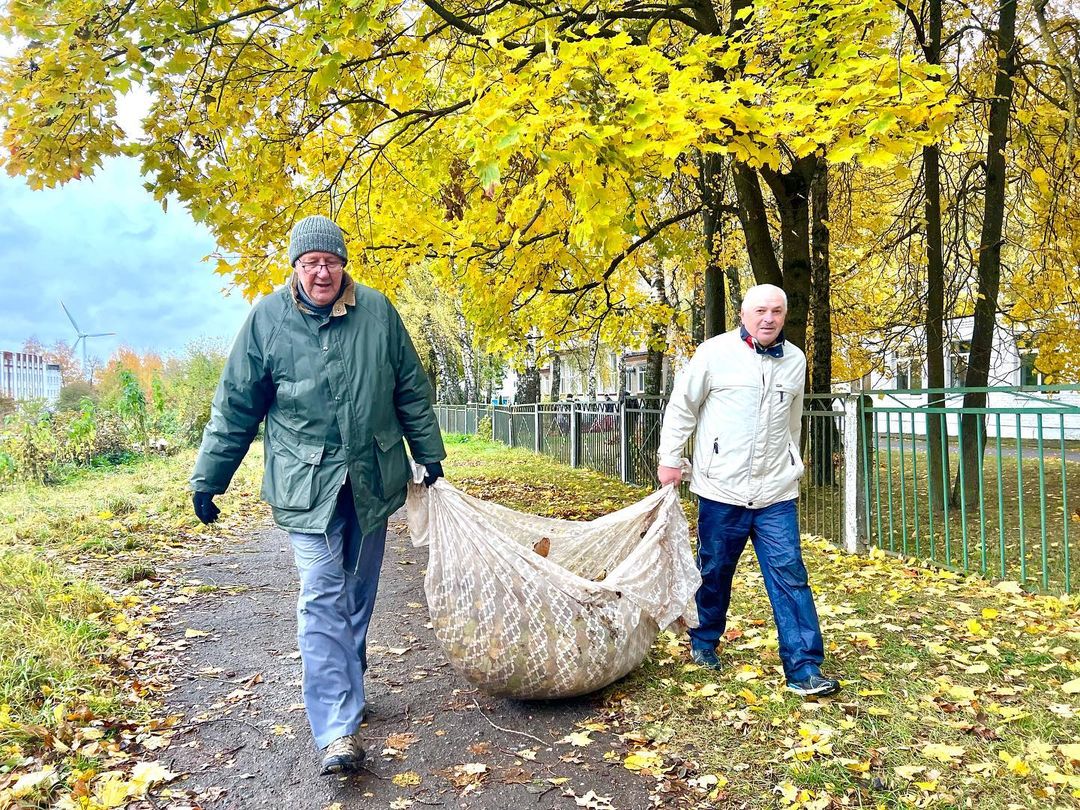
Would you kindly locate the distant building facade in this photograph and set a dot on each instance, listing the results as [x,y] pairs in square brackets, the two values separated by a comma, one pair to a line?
[1012,365]
[29,376]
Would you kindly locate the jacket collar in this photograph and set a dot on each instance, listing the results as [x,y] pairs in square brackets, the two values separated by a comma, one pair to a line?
[346,299]
[775,350]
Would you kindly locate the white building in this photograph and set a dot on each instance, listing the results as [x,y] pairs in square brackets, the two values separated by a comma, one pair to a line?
[574,376]
[29,376]
[1011,366]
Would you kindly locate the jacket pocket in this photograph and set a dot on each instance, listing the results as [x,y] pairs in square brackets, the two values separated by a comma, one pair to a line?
[712,468]
[796,464]
[289,477]
[393,464]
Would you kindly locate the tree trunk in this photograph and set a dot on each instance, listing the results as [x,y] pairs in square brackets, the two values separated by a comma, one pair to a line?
[697,312]
[468,357]
[936,430]
[556,376]
[989,277]
[755,225]
[433,374]
[654,360]
[791,190]
[594,350]
[449,379]
[528,380]
[712,195]
[735,295]
[820,291]
[824,435]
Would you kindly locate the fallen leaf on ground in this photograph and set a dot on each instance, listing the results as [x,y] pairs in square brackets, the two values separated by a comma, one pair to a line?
[578,739]
[406,779]
[643,760]
[942,753]
[401,741]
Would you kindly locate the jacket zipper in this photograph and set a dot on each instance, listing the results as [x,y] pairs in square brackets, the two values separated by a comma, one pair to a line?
[791,456]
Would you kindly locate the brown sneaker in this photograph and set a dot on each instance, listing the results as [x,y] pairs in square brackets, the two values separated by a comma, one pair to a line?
[343,755]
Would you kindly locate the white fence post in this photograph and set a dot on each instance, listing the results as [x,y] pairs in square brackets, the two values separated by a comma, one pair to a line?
[575,439]
[536,427]
[624,443]
[854,534]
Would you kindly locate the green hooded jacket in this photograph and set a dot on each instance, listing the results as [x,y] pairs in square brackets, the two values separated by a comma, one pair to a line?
[338,395]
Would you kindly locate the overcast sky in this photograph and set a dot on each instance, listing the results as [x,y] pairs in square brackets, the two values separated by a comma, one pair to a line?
[118,261]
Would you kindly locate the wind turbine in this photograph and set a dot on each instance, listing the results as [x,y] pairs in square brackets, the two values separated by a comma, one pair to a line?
[82,337]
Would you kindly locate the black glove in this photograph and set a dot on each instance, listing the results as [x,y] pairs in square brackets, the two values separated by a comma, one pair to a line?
[205,510]
[434,473]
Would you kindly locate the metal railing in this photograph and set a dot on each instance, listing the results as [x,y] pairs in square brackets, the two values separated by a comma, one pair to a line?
[868,478]
[621,439]
[1006,511]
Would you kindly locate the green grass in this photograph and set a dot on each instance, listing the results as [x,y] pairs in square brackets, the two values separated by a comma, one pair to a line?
[78,562]
[927,657]
[52,638]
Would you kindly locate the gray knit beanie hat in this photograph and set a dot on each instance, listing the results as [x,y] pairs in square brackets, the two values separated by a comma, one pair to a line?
[316,233]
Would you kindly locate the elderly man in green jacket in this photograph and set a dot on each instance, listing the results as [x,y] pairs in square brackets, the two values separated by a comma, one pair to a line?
[329,367]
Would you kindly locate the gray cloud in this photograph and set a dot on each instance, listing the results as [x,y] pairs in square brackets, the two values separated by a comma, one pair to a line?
[117,260]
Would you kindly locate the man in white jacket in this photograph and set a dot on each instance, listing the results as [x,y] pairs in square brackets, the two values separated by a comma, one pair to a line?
[742,392]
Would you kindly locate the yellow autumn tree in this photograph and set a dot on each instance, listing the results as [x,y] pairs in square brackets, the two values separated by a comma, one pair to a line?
[528,155]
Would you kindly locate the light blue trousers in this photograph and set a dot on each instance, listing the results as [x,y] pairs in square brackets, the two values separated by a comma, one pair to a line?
[332,615]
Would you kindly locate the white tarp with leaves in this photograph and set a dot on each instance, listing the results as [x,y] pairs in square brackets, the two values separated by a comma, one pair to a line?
[520,624]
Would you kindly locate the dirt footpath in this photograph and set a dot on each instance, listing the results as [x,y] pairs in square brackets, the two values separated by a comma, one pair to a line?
[432,740]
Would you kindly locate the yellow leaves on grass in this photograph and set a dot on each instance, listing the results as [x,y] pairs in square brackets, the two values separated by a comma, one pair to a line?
[813,740]
[113,789]
[1071,687]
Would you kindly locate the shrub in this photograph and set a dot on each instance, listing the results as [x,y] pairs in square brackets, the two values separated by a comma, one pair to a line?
[82,433]
[28,441]
[73,394]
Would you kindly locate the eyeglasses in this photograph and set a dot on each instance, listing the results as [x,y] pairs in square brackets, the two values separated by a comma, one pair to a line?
[332,265]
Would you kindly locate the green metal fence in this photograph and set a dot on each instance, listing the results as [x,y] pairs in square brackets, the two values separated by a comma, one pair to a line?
[622,440]
[868,475]
[1009,513]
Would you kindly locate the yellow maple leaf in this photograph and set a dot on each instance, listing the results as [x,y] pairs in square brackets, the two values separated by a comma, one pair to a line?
[111,790]
[1015,764]
[942,753]
[643,759]
[30,782]
[908,772]
[406,779]
[961,693]
[145,774]
[1071,751]
[1072,687]
[578,739]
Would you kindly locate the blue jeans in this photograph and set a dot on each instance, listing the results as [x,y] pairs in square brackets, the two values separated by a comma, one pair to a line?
[339,577]
[723,530]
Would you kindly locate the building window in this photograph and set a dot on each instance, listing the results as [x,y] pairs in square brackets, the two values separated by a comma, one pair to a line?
[1029,375]
[902,378]
[958,362]
[908,373]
